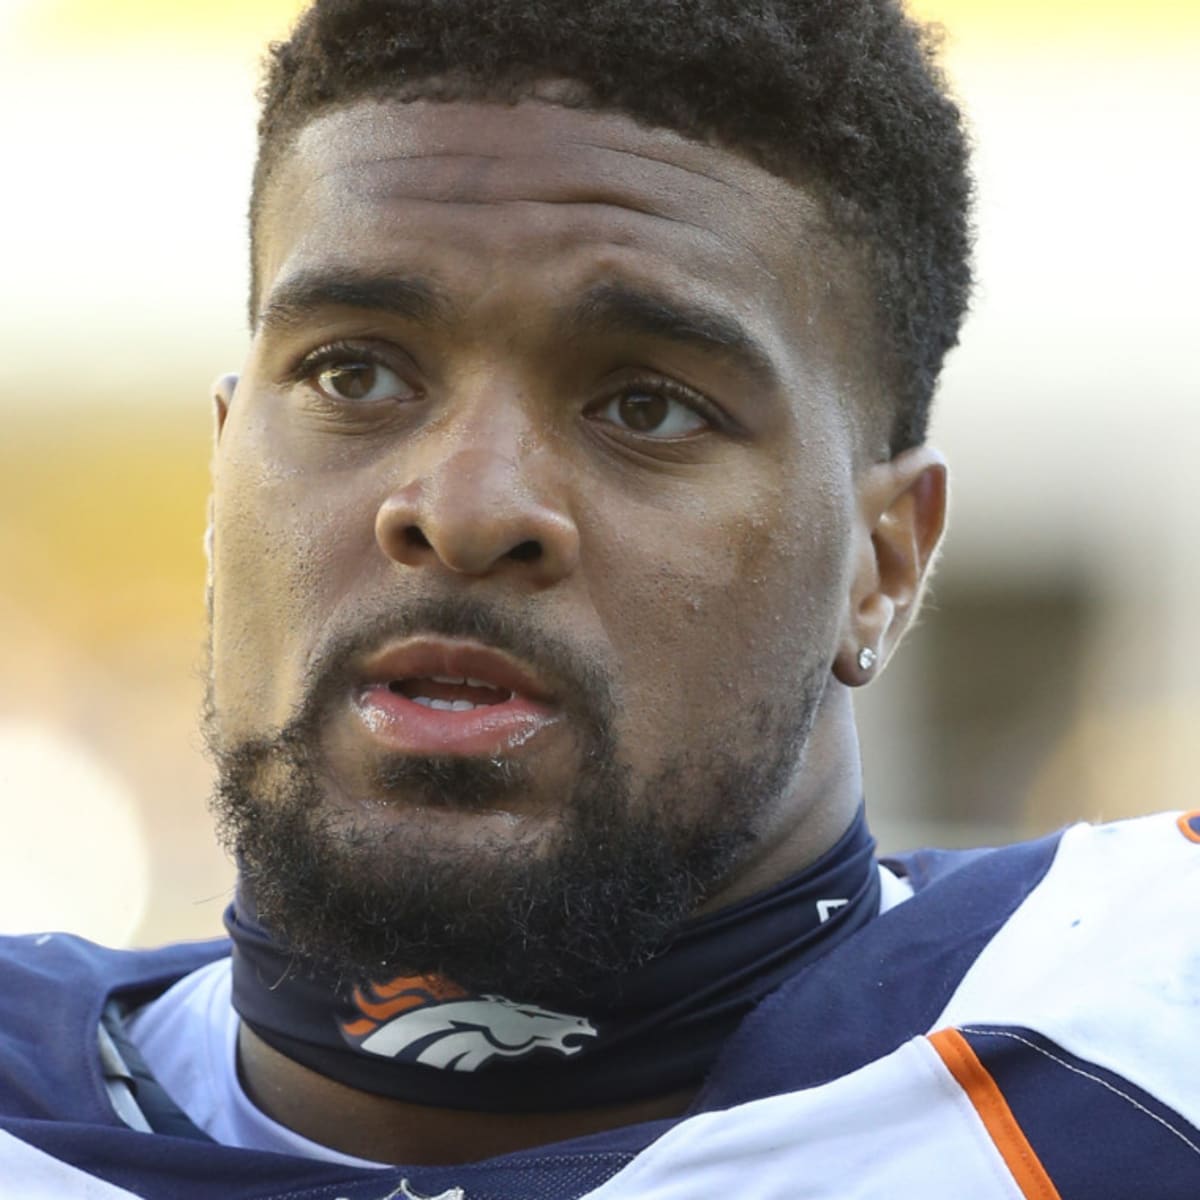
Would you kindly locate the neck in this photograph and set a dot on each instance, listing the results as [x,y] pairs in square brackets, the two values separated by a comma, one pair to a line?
[385,1130]
[814,814]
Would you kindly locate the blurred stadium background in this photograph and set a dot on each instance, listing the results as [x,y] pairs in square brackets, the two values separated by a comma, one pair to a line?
[1054,673]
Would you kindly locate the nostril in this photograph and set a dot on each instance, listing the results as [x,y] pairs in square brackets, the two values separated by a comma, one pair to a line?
[414,537]
[526,552]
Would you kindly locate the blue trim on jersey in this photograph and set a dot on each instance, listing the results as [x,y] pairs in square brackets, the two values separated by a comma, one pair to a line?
[870,995]
[1061,1101]
[155,1166]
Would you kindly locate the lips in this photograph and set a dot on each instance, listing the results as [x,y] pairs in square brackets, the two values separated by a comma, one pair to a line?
[433,696]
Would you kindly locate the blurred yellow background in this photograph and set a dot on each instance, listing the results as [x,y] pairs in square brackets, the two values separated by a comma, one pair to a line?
[1052,677]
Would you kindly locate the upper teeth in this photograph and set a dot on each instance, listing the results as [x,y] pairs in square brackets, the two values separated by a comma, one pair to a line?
[482,683]
[444,705]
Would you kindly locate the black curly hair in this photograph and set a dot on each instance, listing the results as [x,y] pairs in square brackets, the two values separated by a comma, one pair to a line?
[843,95]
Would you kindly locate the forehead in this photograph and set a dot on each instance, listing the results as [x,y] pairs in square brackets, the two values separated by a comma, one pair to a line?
[541,199]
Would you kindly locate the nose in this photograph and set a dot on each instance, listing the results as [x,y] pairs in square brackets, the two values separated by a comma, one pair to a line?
[482,508]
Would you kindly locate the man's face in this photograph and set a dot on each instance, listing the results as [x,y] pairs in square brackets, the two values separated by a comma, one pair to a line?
[533,502]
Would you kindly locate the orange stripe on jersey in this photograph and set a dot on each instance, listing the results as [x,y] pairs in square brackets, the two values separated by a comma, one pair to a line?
[1189,825]
[972,1076]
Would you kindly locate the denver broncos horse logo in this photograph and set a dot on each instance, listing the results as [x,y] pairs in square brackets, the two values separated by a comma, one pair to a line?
[427,1020]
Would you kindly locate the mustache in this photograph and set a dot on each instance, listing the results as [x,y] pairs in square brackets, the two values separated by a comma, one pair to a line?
[576,677]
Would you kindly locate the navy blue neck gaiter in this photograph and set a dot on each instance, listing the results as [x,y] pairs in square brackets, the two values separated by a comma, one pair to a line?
[656,1030]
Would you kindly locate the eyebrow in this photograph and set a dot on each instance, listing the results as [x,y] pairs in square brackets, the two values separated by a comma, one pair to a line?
[612,308]
[310,292]
[620,309]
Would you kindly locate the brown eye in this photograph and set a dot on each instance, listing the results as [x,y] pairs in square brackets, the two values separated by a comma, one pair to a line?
[361,382]
[652,413]
[642,412]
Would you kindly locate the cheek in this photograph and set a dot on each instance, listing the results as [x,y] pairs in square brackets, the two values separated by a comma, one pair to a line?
[722,607]
[282,556]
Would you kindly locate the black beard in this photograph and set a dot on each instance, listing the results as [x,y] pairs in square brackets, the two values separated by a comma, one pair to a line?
[538,923]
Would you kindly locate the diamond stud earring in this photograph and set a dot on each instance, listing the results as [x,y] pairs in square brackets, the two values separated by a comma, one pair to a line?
[867,658]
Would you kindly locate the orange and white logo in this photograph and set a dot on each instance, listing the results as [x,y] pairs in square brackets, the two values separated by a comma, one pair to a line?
[432,1021]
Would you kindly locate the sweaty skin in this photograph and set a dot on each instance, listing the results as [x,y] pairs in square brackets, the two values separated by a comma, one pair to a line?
[699,506]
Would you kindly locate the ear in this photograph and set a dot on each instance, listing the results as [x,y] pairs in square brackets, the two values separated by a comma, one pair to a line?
[901,518]
[222,398]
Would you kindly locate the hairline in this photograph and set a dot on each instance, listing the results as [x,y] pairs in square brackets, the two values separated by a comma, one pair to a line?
[447,88]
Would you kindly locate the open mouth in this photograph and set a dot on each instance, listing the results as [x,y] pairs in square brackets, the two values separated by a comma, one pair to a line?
[444,696]
[448,694]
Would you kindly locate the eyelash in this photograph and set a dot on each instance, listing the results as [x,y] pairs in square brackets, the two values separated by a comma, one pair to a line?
[331,353]
[312,363]
[658,385]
